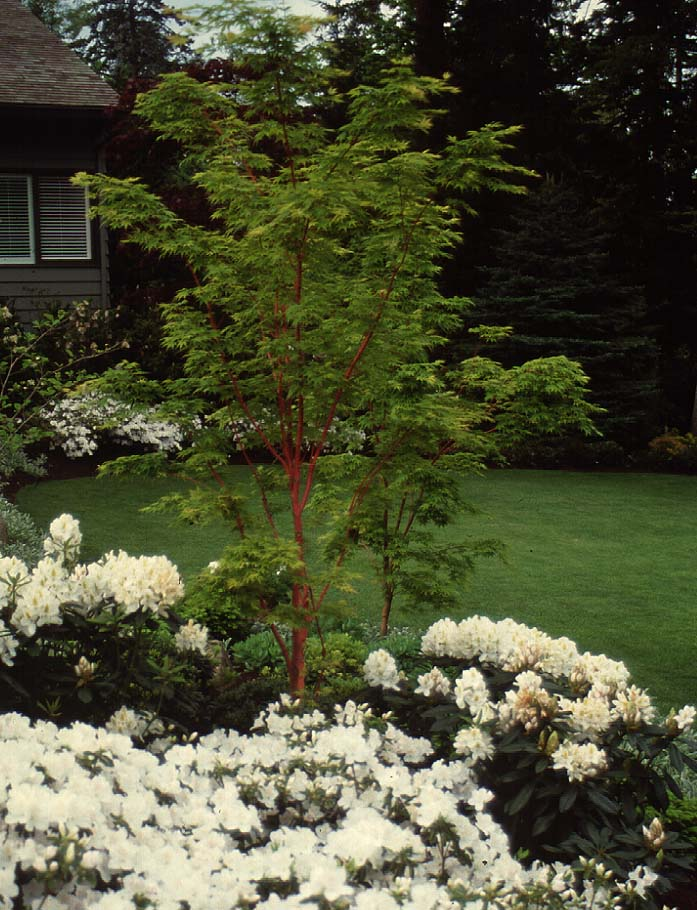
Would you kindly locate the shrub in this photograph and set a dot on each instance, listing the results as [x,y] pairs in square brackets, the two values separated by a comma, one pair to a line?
[569,747]
[307,813]
[37,363]
[79,641]
[672,451]
[24,539]
[79,424]
[210,602]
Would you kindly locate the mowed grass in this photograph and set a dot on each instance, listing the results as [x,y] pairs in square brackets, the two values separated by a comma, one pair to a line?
[608,559]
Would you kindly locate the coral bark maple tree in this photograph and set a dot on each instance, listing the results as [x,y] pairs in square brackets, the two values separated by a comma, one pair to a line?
[314,284]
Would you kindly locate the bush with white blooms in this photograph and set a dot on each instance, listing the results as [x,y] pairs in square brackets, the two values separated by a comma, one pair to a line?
[78,424]
[77,640]
[306,813]
[573,751]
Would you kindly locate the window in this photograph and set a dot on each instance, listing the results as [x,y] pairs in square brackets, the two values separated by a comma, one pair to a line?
[42,219]
[16,221]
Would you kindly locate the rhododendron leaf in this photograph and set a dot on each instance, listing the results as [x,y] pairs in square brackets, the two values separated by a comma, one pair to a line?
[567,799]
[676,757]
[542,823]
[601,801]
[521,799]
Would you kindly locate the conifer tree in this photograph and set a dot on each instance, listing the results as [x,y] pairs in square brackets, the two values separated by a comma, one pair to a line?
[129,39]
[554,282]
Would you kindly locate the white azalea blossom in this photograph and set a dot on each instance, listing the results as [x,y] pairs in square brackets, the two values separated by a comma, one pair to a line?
[192,827]
[79,422]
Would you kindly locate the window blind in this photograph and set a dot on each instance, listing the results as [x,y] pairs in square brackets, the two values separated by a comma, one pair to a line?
[16,222]
[63,221]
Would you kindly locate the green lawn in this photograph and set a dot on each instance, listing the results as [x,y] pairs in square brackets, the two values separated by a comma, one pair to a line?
[607,559]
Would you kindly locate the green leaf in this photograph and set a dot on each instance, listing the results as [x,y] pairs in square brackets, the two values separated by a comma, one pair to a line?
[568,799]
[521,799]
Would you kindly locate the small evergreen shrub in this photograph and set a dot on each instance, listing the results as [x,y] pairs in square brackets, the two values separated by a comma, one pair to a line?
[24,539]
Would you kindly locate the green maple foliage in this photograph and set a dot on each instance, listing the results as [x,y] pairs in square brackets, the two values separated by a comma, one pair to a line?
[313,306]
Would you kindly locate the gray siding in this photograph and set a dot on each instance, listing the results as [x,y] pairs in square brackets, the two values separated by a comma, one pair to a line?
[34,141]
[27,290]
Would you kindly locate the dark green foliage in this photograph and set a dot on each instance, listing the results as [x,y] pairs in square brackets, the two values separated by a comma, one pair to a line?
[128,39]
[605,816]
[682,815]
[38,364]
[554,283]
[132,661]
[637,88]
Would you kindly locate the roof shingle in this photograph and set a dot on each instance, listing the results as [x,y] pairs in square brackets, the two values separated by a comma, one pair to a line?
[37,68]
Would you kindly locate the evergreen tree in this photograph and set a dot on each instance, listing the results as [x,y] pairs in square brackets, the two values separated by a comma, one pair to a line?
[131,38]
[555,283]
[637,89]
[66,18]
[363,35]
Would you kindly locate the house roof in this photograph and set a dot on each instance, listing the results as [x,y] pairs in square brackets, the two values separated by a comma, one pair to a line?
[38,69]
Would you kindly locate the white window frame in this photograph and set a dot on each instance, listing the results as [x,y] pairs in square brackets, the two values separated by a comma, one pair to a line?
[73,228]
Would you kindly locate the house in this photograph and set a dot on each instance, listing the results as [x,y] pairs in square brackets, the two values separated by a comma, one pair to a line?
[51,126]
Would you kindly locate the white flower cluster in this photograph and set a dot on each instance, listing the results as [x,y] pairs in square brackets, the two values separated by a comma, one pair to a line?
[33,598]
[192,637]
[515,647]
[79,421]
[603,694]
[303,815]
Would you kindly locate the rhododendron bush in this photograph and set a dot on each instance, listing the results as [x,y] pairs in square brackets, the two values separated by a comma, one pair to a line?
[572,750]
[306,813]
[79,640]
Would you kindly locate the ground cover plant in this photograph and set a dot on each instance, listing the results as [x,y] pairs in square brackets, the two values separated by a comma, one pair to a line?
[598,557]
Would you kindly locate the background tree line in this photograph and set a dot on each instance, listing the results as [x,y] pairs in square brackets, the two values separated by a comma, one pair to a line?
[597,262]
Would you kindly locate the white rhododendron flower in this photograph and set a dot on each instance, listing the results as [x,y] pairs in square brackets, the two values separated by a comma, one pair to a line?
[380,669]
[192,637]
[433,683]
[590,717]
[685,717]
[633,707]
[471,693]
[579,760]
[64,537]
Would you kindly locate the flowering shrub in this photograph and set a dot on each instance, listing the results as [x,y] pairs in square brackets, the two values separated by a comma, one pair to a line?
[78,425]
[307,813]
[77,640]
[38,362]
[572,751]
